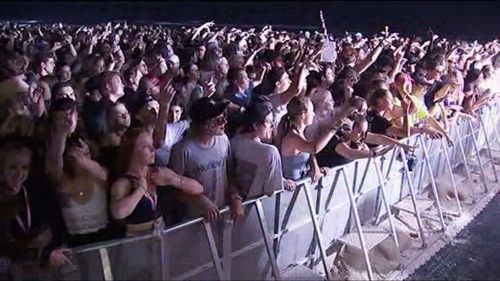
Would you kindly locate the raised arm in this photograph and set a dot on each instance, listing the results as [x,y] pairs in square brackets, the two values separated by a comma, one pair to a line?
[370,59]
[165,98]
[54,158]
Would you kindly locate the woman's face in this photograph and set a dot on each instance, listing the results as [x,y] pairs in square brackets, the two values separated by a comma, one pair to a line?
[144,151]
[194,73]
[357,132]
[15,170]
[284,83]
[175,114]
[223,67]
[99,66]
[385,102]
[309,114]
[143,68]
[117,86]
[120,116]
[329,76]
[115,40]
[348,55]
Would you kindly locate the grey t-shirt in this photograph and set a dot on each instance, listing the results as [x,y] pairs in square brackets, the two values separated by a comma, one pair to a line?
[257,166]
[208,165]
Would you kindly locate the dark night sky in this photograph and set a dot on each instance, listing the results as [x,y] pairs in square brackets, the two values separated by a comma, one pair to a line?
[474,19]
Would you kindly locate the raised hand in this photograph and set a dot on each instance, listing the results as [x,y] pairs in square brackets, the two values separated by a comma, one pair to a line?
[167,92]
[209,87]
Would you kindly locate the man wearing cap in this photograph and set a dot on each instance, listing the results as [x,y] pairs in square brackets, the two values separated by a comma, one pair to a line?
[205,155]
[173,65]
[257,164]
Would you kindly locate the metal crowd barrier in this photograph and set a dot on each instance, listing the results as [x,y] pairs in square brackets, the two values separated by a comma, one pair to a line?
[300,228]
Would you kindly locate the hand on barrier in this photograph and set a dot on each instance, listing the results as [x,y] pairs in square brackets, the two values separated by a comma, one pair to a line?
[60,257]
[237,210]
[289,185]
[381,150]
[432,133]
[315,173]
[408,148]
[210,210]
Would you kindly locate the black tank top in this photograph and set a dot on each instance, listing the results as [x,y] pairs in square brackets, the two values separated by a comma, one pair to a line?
[328,157]
[145,210]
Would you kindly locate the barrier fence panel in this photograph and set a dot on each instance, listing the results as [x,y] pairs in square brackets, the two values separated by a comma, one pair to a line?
[248,246]
[301,227]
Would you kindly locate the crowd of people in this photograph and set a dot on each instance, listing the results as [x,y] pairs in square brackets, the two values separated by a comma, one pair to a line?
[117,129]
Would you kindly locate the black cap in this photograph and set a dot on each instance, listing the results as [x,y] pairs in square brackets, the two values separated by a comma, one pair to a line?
[256,113]
[206,108]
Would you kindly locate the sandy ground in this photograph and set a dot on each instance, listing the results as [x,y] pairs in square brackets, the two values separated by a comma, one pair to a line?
[350,263]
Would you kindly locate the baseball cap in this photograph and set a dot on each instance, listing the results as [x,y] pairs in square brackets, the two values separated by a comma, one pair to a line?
[206,108]
[256,113]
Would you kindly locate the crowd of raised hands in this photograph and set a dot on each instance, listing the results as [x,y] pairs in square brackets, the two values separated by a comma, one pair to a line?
[120,129]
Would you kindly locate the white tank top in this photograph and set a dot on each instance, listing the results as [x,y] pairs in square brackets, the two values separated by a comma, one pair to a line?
[89,217]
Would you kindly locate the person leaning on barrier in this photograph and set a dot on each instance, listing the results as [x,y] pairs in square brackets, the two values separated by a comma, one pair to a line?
[349,144]
[134,194]
[205,155]
[258,167]
[380,102]
[297,152]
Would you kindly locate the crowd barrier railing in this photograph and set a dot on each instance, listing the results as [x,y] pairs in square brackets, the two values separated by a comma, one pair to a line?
[304,227]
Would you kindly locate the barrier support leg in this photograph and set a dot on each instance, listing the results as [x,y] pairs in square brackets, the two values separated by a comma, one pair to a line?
[462,152]
[488,147]
[450,171]
[433,183]
[317,231]
[358,225]
[388,210]
[213,250]
[267,240]
[478,156]
[413,197]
